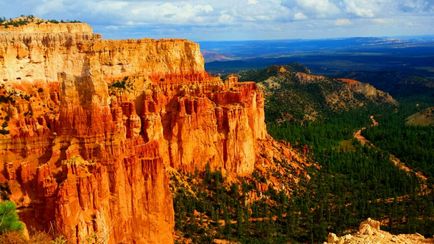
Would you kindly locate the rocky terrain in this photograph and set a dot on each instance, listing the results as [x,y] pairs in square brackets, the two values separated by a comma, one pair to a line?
[307,97]
[370,232]
[422,118]
[90,128]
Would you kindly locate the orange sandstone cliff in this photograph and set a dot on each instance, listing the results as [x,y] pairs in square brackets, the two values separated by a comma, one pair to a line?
[89,126]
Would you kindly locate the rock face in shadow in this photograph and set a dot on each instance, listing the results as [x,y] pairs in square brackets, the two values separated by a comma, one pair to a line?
[89,126]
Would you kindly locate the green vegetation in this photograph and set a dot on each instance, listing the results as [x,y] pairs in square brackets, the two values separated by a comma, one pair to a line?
[26,19]
[11,228]
[354,182]
[412,144]
[351,186]
[362,179]
[365,173]
[336,199]
[120,86]
[9,220]
[23,20]
[215,209]
[292,96]
[263,74]
[62,21]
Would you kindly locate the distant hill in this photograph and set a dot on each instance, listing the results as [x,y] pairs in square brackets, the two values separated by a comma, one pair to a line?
[423,118]
[401,66]
[211,56]
[294,94]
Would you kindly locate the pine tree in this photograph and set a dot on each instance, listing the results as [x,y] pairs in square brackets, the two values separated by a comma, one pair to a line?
[9,220]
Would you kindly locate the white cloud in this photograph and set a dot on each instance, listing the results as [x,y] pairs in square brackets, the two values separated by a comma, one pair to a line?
[362,8]
[244,18]
[226,18]
[416,5]
[108,6]
[381,21]
[320,7]
[343,22]
[299,16]
[148,12]
[49,6]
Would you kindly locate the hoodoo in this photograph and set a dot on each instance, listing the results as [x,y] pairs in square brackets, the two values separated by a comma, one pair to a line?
[89,127]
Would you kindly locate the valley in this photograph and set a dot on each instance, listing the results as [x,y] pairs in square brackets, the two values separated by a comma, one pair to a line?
[396,161]
[399,66]
[355,179]
[134,141]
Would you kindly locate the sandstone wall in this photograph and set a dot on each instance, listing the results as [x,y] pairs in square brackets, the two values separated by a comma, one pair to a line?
[89,159]
[33,53]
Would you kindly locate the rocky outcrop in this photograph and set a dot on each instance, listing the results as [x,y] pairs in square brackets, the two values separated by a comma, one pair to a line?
[294,94]
[88,127]
[422,118]
[32,53]
[369,232]
[369,91]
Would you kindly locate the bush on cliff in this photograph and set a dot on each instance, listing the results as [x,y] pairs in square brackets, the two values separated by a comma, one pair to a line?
[121,86]
[9,220]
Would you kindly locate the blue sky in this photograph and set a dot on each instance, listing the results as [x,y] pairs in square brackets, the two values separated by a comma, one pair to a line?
[238,20]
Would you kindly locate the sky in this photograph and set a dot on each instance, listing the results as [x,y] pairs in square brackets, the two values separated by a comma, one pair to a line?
[237,19]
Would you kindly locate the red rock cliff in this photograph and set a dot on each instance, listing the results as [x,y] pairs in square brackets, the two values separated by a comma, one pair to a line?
[88,127]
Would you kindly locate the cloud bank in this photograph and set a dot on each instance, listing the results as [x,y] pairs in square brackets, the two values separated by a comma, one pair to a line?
[234,20]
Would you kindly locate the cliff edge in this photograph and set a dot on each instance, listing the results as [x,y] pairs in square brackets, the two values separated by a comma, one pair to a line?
[88,127]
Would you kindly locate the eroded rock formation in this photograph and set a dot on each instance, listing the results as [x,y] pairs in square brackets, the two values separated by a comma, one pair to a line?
[89,126]
[369,232]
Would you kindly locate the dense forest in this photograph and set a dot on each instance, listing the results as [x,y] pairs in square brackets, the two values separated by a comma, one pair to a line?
[363,176]
[354,182]
[412,144]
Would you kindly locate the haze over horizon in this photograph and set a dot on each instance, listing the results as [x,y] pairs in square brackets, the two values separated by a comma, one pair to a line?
[242,20]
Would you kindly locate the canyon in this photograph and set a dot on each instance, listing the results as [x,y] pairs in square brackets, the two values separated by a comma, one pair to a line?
[91,127]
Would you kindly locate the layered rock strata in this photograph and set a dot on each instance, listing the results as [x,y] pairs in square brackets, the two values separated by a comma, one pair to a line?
[88,127]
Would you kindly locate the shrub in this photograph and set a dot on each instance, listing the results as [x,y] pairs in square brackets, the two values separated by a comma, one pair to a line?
[59,240]
[12,238]
[9,220]
[40,237]
[120,86]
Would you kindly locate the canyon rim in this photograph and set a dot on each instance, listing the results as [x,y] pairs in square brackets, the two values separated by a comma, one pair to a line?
[91,127]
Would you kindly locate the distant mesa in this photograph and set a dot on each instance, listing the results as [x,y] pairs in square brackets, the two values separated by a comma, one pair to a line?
[211,56]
